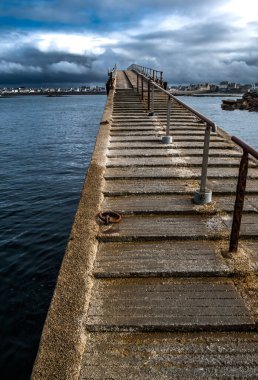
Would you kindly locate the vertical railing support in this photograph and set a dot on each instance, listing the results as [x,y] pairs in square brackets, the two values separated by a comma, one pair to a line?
[168,116]
[204,196]
[152,98]
[142,89]
[167,139]
[151,113]
[149,90]
[137,83]
[205,159]
[239,202]
[240,191]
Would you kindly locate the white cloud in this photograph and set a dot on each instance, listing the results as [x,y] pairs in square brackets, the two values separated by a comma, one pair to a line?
[72,43]
[243,12]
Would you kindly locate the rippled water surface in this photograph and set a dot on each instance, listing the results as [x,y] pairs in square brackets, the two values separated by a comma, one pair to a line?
[242,124]
[46,145]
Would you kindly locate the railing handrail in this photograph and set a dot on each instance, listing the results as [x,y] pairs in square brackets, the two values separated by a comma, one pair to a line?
[144,68]
[243,167]
[204,195]
[245,146]
[192,110]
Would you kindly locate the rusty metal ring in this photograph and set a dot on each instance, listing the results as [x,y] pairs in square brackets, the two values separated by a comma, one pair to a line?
[109,217]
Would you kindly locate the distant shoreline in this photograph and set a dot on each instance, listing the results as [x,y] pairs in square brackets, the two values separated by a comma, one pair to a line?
[52,95]
[225,95]
[63,94]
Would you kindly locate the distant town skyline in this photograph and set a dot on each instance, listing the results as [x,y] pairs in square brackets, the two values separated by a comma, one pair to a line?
[63,41]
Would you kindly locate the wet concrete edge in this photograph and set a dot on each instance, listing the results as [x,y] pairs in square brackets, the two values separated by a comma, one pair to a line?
[64,337]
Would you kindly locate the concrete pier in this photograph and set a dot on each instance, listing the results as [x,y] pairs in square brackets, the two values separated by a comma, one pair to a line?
[157,295]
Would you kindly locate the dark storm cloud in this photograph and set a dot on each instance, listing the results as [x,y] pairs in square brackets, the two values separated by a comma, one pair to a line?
[35,57]
[190,41]
[204,51]
[34,66]
[101,14]
[196,35]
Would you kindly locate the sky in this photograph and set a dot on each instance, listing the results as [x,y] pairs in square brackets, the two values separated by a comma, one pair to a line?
[77,41]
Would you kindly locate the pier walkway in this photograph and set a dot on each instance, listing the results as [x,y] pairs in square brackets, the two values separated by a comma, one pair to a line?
[156,295]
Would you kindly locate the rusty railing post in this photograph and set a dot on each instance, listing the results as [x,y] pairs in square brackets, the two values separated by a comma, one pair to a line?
[168,116]
[167,139]
[204,196]
[142,88]
[239,202]
[149,90]
[205,159]
[152,98]
[151,105]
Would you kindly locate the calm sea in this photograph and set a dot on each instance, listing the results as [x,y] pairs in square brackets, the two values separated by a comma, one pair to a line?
[46,145]
[242,124]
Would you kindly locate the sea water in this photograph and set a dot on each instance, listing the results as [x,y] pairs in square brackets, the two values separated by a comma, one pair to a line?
[242,124]
[45,147]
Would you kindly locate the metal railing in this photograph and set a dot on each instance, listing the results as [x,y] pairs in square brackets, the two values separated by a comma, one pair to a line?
[240,191]
[203,195]
[153,74]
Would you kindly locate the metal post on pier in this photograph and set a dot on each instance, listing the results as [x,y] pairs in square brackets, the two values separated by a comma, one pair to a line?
[167,139]
[151,113]
[142,89]
[204,196]
[239,202]
[240,191]
[149,90]
[152,99]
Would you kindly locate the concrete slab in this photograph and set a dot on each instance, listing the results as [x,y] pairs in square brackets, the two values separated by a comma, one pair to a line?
[147,305]
[174,172]
[171,204]
[173,160]
[166,356]
[156,144]
[173,151]
[165,258]
[165,227]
